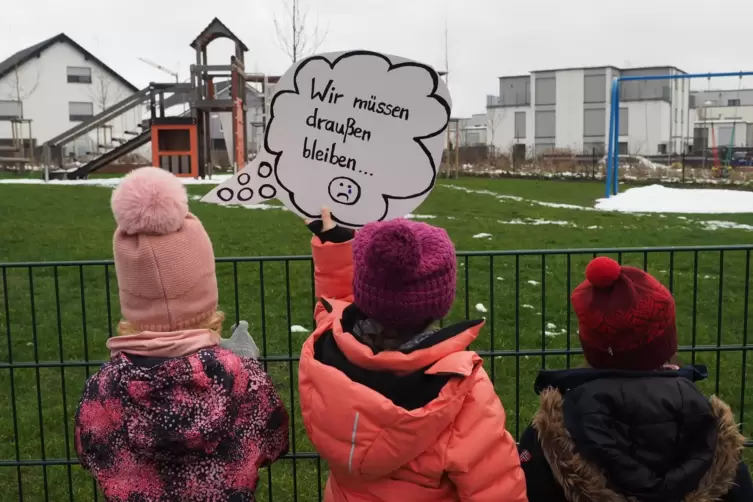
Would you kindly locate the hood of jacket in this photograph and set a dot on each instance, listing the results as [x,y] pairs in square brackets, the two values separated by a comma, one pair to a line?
[370,412]
[629,436]
[171,407]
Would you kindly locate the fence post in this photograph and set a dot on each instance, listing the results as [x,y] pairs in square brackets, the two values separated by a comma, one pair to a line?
[593,163]
[683,167]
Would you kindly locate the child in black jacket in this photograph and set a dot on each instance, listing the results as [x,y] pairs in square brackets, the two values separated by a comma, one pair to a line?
[632,427]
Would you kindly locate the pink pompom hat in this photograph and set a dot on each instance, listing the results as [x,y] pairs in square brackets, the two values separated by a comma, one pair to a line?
[404,273]
[163,256]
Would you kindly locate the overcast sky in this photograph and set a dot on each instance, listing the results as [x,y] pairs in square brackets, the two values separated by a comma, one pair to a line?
[487,38]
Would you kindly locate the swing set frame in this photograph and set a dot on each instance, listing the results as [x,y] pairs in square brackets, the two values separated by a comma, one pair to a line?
[611,185]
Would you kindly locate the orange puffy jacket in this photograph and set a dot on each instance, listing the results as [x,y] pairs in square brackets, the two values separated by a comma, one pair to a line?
[454,447]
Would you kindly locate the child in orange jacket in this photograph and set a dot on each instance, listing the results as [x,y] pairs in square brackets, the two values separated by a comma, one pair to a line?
[400,409]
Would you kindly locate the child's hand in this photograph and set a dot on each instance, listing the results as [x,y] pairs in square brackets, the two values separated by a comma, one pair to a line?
[327,230]
[326,220]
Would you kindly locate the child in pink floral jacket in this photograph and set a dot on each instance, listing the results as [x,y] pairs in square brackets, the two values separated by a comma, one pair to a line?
[173,415]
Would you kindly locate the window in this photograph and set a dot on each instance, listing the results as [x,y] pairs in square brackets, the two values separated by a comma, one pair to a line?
[594,122]
[733,102]
[594,148]
[546,91]
[662,148]
[79,75]
[10,110]
[520,125]
[595,89]
[545,124]
[623,125]
[79,111]
[543,148]
[622,148]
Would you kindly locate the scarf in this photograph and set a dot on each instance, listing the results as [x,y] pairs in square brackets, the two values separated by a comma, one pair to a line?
[170,344]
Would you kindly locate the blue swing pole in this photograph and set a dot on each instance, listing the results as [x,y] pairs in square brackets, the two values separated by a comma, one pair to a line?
[616,141]
[610,145]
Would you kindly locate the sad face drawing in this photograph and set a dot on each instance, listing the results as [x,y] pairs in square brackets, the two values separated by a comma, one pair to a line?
[344,191]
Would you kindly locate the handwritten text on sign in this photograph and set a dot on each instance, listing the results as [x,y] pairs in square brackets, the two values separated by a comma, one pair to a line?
[360,132]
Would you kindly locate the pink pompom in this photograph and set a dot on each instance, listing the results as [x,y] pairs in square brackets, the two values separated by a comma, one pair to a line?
[602,272]
[394,249]
[150,200]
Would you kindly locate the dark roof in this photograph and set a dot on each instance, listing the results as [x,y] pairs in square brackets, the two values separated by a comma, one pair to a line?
[216,29]
[24,55]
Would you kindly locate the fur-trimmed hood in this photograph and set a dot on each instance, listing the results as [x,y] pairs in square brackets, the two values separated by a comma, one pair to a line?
[649,439]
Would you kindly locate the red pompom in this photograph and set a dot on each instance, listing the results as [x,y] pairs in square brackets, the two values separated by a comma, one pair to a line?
[602,272]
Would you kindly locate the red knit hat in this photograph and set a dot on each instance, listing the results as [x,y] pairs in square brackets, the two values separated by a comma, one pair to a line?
[626,317]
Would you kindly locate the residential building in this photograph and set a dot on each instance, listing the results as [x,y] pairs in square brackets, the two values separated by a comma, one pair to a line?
[257,115]
[569,109]
[56,84]
[473,130]
[729,113]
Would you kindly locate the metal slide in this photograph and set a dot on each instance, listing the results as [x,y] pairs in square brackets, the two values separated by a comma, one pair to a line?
[112,155]
[53,149]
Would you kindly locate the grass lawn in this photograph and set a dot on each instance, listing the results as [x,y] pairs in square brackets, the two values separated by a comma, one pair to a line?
[66,313]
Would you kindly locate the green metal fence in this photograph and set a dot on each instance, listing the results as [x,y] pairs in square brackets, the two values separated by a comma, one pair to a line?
[57,316]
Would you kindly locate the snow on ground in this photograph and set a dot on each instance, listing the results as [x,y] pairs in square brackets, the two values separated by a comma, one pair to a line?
[298,329]
[480,307]
[532,221]
[106,182]
[420,216]
[659,199]
[481,236]
[502,197]
[723,225]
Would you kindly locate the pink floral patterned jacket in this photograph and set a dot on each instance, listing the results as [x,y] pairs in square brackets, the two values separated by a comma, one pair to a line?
[193,428]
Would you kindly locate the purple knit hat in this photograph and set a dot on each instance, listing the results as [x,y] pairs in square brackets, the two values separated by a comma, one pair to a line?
[404,273]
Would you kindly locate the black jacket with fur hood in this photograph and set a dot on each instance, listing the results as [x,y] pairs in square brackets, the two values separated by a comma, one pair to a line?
[617,436]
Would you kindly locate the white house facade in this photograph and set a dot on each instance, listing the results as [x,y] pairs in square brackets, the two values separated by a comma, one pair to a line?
[57,84]
[568,109]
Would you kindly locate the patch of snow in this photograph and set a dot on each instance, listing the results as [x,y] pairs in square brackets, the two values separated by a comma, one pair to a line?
[263,206]
[550,325]
[531,221]
[526,306]
[724,225]
[298,329]
[481,236]
[551,334]
[533,283]
[594,227]
[515,198]
[480,308]
[500,279]
[420,216]
[107,182]
[660,199]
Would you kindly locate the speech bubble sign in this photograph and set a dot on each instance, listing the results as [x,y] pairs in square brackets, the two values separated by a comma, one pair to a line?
[360,132]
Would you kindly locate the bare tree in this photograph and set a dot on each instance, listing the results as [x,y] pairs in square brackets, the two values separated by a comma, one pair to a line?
[493,119]
[20,88]
[293,33]
[102,91]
